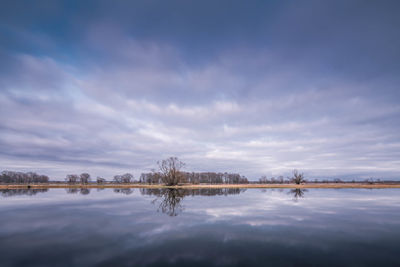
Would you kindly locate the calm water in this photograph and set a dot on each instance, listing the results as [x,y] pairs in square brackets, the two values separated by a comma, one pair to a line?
[317,227]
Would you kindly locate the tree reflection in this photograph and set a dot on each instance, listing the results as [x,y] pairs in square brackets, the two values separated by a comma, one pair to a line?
[85,191]
[170,203]
[82,191]
[126,191]
[72,190]
[297,193]
[18,192]
[170,200]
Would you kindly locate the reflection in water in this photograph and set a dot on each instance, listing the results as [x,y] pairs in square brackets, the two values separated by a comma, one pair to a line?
[85,191]
[170,199]
[254,228]
[194,192]
[297,193]
[18,192]
[82,191]
[72,190]
[126,191]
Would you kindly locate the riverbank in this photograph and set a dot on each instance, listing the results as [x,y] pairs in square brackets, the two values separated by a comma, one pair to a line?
[200,186]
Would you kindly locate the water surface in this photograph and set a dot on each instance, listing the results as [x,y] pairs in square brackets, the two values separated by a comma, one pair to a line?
[253,227]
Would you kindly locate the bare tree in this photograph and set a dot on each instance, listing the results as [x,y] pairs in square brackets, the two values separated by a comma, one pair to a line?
[85,178]
[72,178]
[263,180]
[152,177]
[101,180]
[196,177]
[118,179]
[170,170]
[298,178]
[126,178]
[11,177]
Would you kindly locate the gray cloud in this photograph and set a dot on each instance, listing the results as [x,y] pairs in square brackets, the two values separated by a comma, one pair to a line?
[262,91]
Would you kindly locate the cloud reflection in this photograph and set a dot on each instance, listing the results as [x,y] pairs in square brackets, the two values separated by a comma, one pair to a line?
[253,227]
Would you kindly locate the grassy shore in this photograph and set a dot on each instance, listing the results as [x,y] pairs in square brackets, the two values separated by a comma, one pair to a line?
[200,186]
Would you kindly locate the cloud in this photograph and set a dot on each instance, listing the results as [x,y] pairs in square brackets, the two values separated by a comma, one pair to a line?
[256,95]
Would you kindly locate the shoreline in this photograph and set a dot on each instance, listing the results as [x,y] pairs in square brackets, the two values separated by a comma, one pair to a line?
[204,186]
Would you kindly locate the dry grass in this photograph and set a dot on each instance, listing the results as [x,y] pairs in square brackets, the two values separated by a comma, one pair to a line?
[199,186]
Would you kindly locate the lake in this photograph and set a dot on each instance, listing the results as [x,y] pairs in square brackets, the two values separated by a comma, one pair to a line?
[221,227]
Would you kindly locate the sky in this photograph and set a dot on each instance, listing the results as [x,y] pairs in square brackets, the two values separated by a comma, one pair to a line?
[254,87]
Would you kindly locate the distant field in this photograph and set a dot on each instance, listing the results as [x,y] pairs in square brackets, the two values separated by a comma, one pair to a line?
[199,186]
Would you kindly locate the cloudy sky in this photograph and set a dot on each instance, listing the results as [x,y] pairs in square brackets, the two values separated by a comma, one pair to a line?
[255,87]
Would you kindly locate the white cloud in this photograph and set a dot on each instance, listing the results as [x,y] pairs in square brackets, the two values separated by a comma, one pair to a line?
[129,114]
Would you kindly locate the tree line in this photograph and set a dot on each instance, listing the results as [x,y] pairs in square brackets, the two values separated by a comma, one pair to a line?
[169,173]
[297,178]
[196,178]
[11,177]
[85,178]
[157,178]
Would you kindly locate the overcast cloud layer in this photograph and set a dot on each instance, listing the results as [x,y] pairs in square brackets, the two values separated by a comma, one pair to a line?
[241,86]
